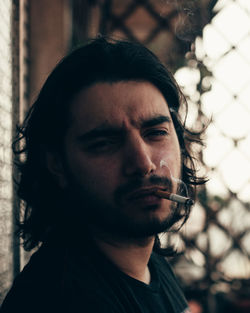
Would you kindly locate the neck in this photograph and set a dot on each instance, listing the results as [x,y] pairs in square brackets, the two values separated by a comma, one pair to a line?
[131,257]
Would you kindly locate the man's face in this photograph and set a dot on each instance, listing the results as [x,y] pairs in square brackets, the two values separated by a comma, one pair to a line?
[121,145]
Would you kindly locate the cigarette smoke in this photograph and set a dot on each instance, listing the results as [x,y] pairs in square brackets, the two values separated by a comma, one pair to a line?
[187,25]
[182,187]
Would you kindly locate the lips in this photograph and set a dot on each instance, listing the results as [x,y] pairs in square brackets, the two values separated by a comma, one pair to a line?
[143,193]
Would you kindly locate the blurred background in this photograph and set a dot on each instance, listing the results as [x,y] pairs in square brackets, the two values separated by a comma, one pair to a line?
[206,44]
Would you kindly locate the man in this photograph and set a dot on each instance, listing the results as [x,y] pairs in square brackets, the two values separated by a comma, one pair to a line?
[103,136]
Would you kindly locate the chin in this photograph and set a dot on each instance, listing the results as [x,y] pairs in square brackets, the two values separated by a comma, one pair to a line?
[135,229]
[159,220]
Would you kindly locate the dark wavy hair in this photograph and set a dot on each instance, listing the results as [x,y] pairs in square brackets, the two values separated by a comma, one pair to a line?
[100,60]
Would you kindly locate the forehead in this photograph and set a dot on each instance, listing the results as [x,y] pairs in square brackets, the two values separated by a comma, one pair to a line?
[118,104]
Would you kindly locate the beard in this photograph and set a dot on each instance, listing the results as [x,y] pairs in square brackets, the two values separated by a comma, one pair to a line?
[91,213]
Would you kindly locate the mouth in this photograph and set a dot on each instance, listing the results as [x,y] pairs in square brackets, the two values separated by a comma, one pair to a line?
[144,193]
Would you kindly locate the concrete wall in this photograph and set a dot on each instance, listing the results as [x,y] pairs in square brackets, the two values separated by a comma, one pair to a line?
[6,255]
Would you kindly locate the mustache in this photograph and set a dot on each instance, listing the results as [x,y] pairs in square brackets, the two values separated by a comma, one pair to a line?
[136,183]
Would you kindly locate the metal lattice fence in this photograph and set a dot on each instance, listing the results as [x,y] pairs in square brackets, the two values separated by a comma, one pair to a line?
[217,236]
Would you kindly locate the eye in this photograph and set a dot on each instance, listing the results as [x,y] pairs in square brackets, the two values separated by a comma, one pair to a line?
[104,145]
[156,133]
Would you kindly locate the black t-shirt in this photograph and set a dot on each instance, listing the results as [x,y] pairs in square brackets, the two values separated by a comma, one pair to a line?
[63,280]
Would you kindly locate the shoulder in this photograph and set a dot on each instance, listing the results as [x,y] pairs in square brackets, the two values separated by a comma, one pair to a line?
[58,281]
[162,264]
[170,283]
[36,286]
[165,269]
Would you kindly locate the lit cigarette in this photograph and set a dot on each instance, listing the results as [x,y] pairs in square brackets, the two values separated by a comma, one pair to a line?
[174,197]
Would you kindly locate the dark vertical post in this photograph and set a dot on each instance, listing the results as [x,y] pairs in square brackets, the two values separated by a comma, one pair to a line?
[15,120]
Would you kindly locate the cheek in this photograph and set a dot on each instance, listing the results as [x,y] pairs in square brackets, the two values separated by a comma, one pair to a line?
[93,174]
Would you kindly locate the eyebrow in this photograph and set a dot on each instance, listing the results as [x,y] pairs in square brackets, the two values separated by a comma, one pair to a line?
[157,120]
[106,130]
[101,131]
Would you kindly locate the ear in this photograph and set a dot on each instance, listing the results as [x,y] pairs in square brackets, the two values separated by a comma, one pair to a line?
[55,167]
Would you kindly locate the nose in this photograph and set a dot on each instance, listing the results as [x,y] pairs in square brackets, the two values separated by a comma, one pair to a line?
[137,158]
